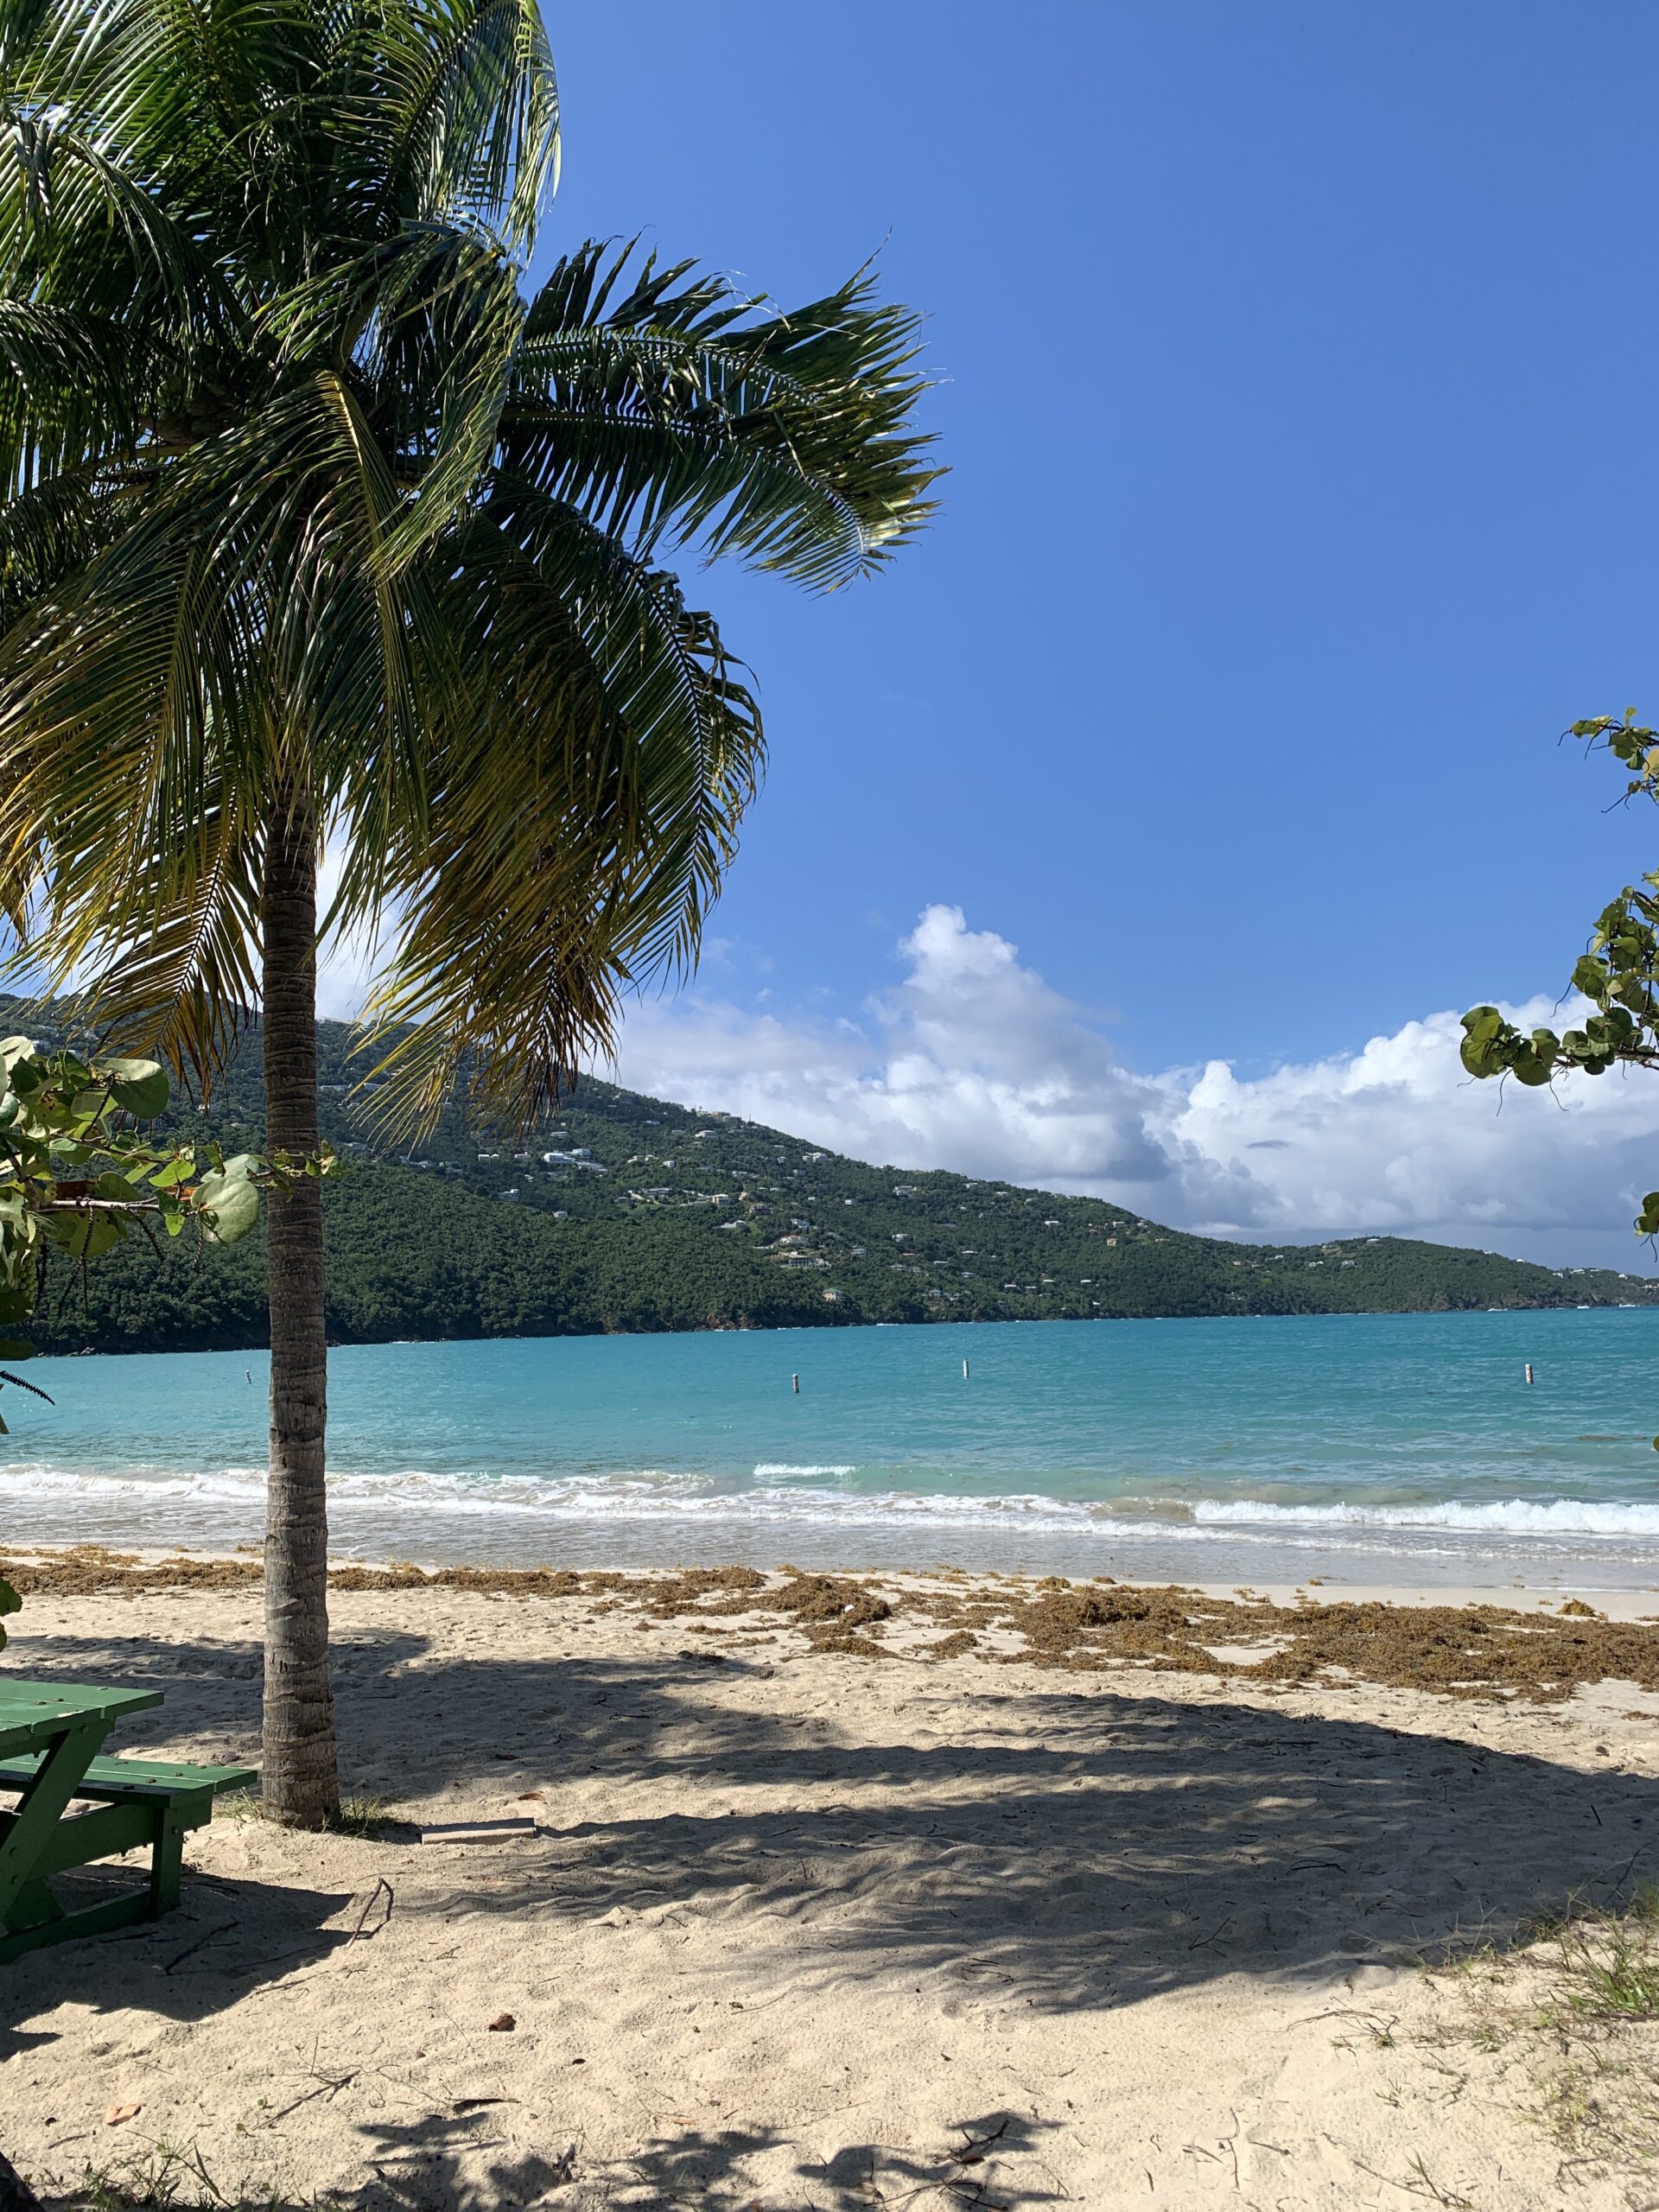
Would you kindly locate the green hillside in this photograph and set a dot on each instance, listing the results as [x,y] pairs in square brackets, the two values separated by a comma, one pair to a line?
[656,1218]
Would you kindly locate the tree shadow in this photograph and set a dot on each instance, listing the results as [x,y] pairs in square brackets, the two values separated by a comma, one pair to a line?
[446,2163]
[452,2162]
[976,2170]
[1042,1843]
[225,1938]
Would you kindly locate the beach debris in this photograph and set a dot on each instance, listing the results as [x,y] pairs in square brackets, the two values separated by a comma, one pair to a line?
[118,2114]
[830,1608]
[503,2024]
[972,2152]
[955,1645]
[382,1889]
[1483,1651]
[479,1831]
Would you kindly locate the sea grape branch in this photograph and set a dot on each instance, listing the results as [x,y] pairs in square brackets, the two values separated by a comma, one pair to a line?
[1619,973]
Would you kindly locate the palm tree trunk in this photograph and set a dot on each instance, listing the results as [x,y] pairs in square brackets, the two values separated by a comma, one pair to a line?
[301,1786]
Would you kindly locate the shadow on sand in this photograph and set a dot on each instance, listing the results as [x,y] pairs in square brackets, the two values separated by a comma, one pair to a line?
[1026,1838]
[441,2165]
[1193,1840]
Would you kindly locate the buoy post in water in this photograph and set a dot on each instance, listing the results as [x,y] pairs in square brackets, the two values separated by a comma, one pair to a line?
[1528,1370]
[964,1370]
[795,1381]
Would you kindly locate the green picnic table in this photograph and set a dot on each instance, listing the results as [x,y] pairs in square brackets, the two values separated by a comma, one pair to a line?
[50,1735]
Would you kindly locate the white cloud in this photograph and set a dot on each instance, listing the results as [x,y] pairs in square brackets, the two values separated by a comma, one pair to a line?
[346,965]
[974,1063]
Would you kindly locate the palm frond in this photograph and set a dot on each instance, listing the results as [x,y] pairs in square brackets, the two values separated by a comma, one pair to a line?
[474,116]
[594,801]
[80,229]
[47,534]
[677,410]
[298,490]
[184,985]
[72,387]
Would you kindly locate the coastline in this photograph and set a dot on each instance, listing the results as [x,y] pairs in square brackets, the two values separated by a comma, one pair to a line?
[797,1924]
[657,1524]
[1393,1452]
[811,1322]
[86,1569]
[1545,1646]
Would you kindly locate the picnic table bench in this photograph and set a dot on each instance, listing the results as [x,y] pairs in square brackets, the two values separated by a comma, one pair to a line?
[50,1740]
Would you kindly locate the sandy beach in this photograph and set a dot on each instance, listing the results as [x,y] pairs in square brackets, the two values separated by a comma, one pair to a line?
[812,1918]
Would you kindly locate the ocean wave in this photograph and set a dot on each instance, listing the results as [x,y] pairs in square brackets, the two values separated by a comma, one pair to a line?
[412,1488]
[634,1495]
[782,1467]
[812,1495]
[1515,1516]
[28,1482]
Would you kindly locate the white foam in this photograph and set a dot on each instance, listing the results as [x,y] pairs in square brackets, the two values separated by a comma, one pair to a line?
[228,1483]
[1516,1516]
[811,1495]
[630,1496]
[782,1467]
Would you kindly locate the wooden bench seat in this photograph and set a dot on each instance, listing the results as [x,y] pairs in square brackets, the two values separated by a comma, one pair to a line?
[141,1803]
[108,1780]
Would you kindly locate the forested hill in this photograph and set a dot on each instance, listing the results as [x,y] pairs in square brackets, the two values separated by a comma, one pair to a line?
[628,1213]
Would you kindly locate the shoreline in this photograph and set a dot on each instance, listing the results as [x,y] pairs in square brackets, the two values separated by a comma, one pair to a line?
[646,1523]
[1631,1605]
[1399,1453]
[836,1318]
[1541,1647]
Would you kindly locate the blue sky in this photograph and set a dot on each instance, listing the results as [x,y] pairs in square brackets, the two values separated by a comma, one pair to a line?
[1296,381]
[1298,392]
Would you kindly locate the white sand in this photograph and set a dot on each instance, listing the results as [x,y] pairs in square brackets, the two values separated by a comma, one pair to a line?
[806,1930]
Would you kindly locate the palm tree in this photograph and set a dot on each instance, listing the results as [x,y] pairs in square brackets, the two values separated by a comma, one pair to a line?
[321,531]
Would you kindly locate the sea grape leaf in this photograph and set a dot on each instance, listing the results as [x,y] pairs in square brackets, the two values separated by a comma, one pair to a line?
[229,1199]
[83,1235]
[139,1087]
[1527,1067]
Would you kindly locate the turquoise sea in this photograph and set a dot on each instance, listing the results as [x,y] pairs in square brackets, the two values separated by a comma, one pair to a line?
[1369,1448]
